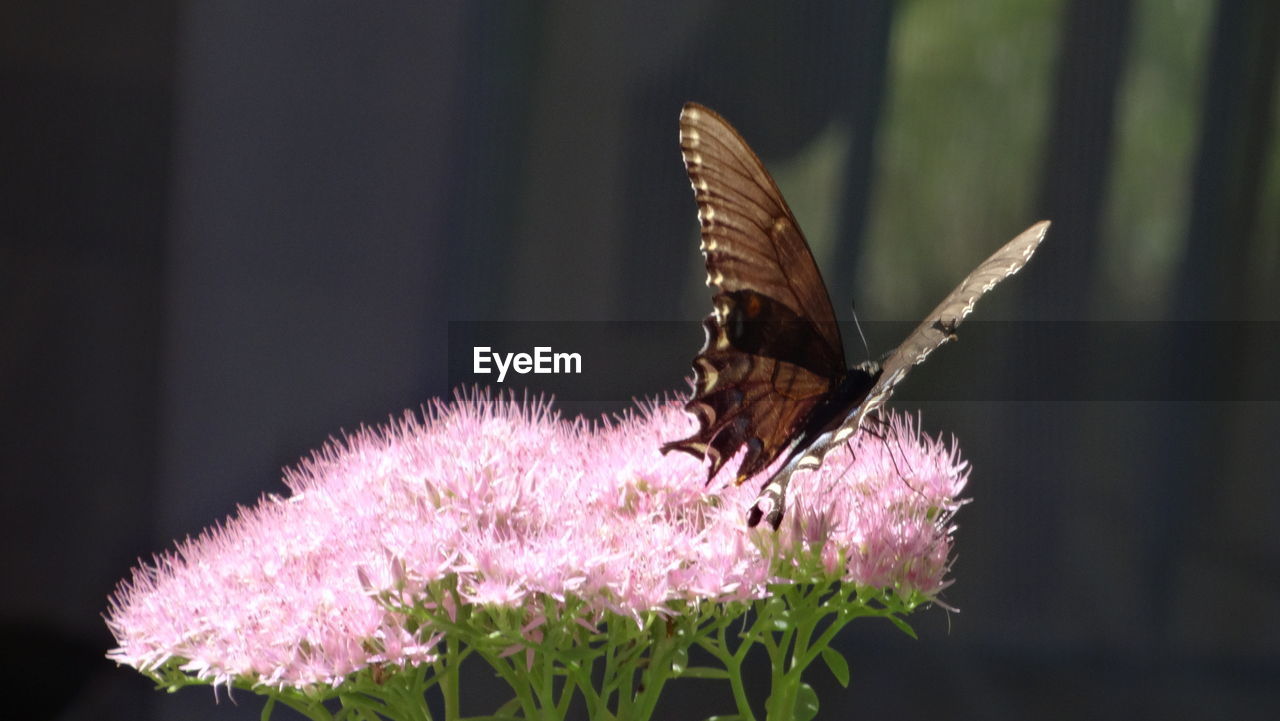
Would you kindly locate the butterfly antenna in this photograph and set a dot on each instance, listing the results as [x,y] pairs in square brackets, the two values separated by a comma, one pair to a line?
[854,310]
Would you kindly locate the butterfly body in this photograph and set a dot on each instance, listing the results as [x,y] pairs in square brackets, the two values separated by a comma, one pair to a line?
[771,376]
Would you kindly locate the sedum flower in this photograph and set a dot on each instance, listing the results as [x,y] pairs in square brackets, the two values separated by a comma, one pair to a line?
[490,504]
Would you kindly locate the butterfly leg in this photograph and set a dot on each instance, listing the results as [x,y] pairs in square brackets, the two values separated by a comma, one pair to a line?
[879,428]
[771,502]
[874,426]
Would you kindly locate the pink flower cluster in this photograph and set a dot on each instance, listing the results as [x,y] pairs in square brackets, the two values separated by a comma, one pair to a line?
[518,506]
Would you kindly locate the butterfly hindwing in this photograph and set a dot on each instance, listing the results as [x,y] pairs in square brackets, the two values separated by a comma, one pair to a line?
[746,399]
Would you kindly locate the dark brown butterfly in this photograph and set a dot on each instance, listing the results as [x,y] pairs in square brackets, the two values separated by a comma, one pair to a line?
[771,375]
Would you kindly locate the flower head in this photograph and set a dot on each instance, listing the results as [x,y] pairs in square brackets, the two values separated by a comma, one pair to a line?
[514,507]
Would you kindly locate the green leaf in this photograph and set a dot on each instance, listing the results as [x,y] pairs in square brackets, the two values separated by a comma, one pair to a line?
[902,626]
[806,703]
[839,667]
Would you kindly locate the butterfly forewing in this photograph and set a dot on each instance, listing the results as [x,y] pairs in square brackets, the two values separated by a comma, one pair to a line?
[940,325]
[749,236]
[935,330]
[773,348]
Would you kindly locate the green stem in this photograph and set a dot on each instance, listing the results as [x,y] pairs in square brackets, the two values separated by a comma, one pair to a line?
[626,684]
[787,656]
[546,688]
[842,618]
[733,665]
[310,709]
[517,679]
[659,670]
[578,679]
[776,644]
[608,681]
[450,681]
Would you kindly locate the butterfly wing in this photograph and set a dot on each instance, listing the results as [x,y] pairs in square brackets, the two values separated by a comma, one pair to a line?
[937,329]
[773,349]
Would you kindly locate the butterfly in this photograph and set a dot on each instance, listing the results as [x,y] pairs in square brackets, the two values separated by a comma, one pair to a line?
[771,375]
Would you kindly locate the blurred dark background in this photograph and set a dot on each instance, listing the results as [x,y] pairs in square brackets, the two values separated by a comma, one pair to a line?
[229,230]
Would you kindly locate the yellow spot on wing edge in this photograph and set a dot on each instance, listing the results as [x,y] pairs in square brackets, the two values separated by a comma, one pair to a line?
[722,340]
[721,309]
[709,374]
[705,413]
